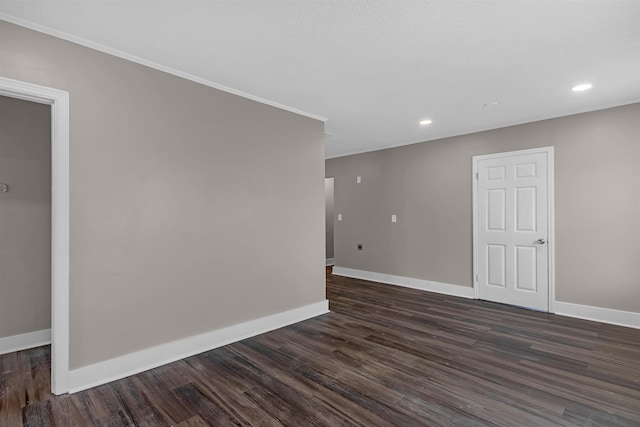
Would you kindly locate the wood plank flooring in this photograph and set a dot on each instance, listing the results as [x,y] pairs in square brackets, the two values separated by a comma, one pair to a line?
[384,356]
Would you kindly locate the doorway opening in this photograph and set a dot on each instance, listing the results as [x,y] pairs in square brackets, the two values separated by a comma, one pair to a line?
[59,104]
[329,215]
[25,224]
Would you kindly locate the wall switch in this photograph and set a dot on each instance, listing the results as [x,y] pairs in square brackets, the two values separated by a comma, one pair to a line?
[394,218]
[359,180]
[4,188]
[359,246]
[339,217]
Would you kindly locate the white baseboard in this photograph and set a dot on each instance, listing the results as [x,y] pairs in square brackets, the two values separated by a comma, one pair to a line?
[143,360]
[331,261]
[407,282]
[24,341]
[604,315]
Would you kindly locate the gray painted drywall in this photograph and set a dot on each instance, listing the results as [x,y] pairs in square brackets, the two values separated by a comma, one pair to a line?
[428,185]
[187,204]
[328,201]
[25,217]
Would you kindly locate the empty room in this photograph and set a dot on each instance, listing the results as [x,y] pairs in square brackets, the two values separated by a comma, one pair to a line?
[336,213]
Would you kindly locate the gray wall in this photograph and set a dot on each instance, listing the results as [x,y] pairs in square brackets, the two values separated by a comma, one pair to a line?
[187,203]
[25,217]
[428,185]
[328,203]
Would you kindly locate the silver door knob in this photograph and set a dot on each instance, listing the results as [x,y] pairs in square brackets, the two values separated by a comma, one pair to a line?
[541,241]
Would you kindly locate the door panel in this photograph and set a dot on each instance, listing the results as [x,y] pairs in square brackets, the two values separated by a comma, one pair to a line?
[526,266]
[525,209]
[497,265]
[496,209]
[512,215]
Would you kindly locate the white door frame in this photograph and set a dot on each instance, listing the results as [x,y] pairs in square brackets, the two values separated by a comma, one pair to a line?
[59,101]
[550,215]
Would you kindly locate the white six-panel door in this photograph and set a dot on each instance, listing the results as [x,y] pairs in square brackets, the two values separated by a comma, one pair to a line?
[512,227]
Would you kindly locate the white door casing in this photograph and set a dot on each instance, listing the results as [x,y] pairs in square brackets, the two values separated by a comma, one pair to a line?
[59,101]
[513,228]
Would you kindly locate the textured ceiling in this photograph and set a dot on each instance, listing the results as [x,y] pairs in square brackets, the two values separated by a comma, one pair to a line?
[375,68]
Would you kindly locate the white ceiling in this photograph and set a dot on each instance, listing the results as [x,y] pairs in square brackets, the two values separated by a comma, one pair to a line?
[375,68]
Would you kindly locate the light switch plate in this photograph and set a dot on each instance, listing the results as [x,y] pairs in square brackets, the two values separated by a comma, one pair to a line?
[359,180]
[339,217]
[4,188]
[394,218]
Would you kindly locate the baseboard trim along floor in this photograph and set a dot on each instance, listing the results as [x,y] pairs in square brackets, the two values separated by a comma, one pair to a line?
[24,341]
[143,360]
[407,282]
[597,314]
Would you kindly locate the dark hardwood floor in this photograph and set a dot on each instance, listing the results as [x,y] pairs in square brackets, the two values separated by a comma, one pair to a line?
[384,356]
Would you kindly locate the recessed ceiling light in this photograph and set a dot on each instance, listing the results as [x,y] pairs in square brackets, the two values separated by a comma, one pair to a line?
[581,87]
[425,122]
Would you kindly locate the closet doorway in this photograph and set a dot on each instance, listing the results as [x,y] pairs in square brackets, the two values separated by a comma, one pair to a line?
[58,103]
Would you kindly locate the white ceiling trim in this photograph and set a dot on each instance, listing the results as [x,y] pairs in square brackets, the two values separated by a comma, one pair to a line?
[151,64]
[374,69]
[488,128]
